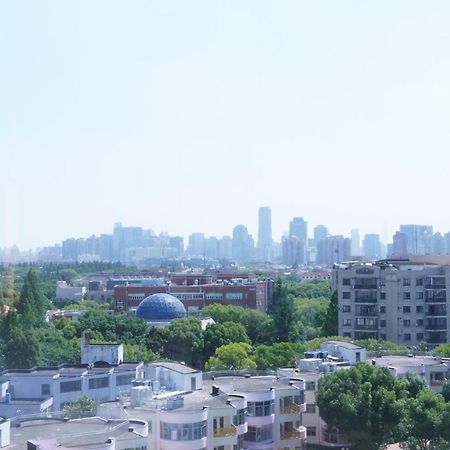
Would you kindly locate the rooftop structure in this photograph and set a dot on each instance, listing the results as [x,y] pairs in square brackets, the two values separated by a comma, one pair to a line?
[160,309]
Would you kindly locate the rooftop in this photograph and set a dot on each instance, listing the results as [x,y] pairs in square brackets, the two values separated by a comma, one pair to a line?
[175,366]
[406,361]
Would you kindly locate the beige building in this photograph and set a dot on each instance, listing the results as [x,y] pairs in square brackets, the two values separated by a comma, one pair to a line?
[402,300]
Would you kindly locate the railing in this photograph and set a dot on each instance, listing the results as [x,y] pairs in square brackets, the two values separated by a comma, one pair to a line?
[366,313]
[436,327]
[437,382]
[365,286]
[225,432]
[366,327]
[292,434]
[293,408]
[365,300]
[435,286]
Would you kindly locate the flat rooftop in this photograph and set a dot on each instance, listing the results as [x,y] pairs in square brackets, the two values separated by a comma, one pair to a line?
[406,361]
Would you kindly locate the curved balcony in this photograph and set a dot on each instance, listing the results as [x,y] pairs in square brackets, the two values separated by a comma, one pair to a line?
[296,433]
[225,432]
[258,421]
[259,445]
[242,429]
[293,408]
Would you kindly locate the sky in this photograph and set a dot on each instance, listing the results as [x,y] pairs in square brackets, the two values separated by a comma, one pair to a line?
[186,116]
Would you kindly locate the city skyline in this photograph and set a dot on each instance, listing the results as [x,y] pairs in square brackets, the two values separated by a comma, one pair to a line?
[168,114]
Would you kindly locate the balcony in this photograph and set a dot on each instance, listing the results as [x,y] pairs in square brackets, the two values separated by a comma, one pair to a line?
[225,432]
[366,313]
[293,434]
[370,327]
[435,286]
[291,409]
[437,382]
[365,286]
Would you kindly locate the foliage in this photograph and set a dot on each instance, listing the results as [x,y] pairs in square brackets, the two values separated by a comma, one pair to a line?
[364,402]
[379,345]
[83,406]
[309,316]
[446,391]
[414,384]
[330,322]
[56,348]
[22,350]
[133,352]
[258,325]
[424,424]
[443,350]
[279,354]
[184,341]
[219,334]
[235,356]
[281,309]
[310,289]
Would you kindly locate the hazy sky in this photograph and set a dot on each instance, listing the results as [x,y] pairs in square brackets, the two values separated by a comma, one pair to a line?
[187,116]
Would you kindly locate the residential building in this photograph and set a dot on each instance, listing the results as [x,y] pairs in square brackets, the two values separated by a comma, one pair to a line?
[372,246]
[320,232]
[417,238]
[333,249]
[243,244]
[293,250]
[399,300]
[355,249]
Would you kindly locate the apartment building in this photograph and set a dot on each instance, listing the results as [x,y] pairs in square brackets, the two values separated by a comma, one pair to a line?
[399,300]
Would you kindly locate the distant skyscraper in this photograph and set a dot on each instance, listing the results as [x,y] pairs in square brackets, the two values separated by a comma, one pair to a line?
[400,244]
[333,249]
[356,242]
[196,245]
[293,251]
[298,227]
[265,233]
[320,232]
[226,248]
[243,245]
[372,246]
[418,238]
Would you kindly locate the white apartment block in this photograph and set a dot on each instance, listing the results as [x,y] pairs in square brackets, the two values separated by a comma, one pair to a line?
[403,301]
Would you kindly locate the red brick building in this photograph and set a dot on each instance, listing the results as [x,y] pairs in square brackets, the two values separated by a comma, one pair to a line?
[248,294]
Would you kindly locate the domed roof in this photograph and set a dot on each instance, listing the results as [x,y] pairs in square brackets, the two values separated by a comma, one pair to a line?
[160,307]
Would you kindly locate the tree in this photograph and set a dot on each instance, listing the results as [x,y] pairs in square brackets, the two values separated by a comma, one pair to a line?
[330,323]
[281,309]
[134,352]
[414,384]
[309,316]
[279,354]
[235,356]
[443,350]
[446,391]
[422,426]
[32,304]
[364,402]
[82,407]
[22,350]
[184,341]
[219,334]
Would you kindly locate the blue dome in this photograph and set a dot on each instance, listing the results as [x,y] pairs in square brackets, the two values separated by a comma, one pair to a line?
[160,307]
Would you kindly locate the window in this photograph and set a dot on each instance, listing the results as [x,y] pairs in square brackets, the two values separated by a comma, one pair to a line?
[407,309]
[260,409]
[419,281]
[311,431]
[346,308]
[406,323]
[45,389]
[406,295]
[310,385]
[70,386]
[407,336]
[345,281]
[310,408]
[419,295]
[419,322]
[241,417]
[346,295]
[98,383]
[419,309]
[382,295]
[382,323]
[382,336]
[183,431]
[419,336]
[234,296]
[259,434]
[382,309]
[123,380]
[347,322]
[406,282]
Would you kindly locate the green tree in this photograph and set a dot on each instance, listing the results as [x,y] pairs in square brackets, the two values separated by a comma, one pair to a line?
[446,391]
[364,402]
[422,426]
[32,304]
[279,354]
[330,323]
[155,339]
[281,309]
[414,384]
[184,341]
[22,350]
[134,352]
[218,334]
[372,345]
[82,407]
[443,350]
[309,316]
[235,356]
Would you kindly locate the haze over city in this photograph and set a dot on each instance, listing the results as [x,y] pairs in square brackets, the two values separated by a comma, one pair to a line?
[188,116]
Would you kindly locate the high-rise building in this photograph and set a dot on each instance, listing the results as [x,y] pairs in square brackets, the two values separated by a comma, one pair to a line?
[212,248]
[70,250]
[226,248]
[355,242]
[372,246]
[402,300]
[243,244]
[418,238]
[320,232]
[298,227]
[333,249]
[265,233]
[196,245]
[293,251]
[438,244]
[400,244]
